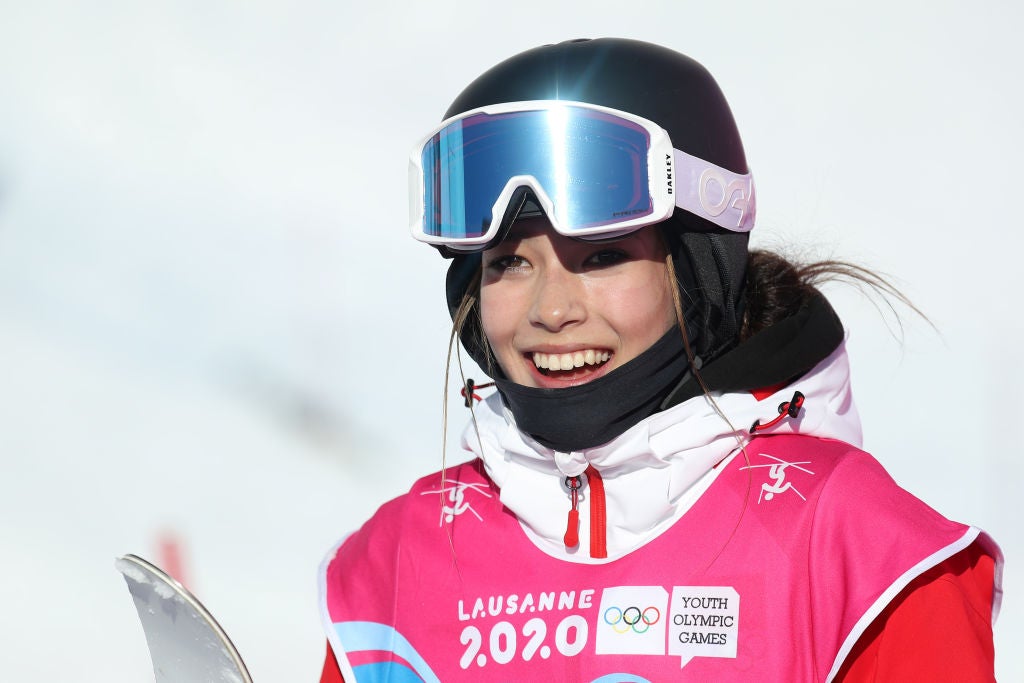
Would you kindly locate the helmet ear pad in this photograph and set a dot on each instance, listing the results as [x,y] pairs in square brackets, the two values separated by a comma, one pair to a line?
[710,267]
[462,289]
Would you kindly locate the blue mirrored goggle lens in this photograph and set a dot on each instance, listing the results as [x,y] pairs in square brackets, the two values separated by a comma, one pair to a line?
[591,165]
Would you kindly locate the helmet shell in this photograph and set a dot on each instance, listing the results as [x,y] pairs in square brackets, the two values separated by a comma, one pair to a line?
[648,80]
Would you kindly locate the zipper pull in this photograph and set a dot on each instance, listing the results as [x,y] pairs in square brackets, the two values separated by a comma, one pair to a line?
[572,530]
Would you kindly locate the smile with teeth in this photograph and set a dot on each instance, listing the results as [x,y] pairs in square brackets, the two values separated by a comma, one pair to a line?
[568,361]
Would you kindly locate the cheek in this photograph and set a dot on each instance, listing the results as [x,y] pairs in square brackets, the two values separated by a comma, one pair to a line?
[642,312]
[498,316]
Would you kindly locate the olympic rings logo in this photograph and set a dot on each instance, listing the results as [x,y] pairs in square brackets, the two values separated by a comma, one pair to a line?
[631,618]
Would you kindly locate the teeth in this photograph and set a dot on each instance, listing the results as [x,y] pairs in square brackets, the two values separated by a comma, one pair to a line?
[568,361]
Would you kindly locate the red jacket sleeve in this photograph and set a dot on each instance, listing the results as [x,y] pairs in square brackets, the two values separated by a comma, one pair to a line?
[939,628]
[331,674]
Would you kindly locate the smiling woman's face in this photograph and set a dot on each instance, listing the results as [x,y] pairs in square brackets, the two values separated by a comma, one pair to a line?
[559,312]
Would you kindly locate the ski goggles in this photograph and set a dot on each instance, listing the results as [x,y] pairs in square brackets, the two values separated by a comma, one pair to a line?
[597,173]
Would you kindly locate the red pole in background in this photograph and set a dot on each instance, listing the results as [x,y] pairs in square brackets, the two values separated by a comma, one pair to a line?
[170,556]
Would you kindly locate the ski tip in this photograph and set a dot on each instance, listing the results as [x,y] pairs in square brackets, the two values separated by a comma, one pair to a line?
[129,566]
[161,601]
[141,571]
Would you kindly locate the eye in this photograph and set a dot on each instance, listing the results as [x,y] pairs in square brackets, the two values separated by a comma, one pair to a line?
[604,258]
[507,263]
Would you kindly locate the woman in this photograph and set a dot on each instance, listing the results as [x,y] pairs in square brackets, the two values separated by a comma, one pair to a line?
[666,484]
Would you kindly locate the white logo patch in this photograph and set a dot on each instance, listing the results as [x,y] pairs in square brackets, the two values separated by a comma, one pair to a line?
[705,622]
[632,620]
[698,621]
[718,193]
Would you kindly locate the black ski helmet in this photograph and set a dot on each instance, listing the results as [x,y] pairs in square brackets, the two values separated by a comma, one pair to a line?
[678,94]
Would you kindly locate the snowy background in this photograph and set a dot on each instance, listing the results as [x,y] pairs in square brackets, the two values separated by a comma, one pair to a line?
[211,316]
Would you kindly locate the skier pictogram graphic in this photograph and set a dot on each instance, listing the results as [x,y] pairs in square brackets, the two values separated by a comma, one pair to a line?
[777,473]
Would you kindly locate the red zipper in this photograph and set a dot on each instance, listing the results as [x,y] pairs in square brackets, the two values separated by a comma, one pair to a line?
[598,513]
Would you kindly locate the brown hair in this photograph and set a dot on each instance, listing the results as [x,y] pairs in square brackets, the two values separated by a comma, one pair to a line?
[777,287]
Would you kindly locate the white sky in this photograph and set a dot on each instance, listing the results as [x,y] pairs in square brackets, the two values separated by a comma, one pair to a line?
[211,315]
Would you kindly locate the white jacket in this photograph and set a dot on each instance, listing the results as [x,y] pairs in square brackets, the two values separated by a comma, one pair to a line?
[656,470]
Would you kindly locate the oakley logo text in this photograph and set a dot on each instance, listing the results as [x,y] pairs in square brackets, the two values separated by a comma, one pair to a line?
[714,184]
[668,171]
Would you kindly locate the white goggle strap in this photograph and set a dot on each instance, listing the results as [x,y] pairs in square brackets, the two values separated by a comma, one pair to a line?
[714,193]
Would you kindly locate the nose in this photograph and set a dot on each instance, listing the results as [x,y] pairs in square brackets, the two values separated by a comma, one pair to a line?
[558,299]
